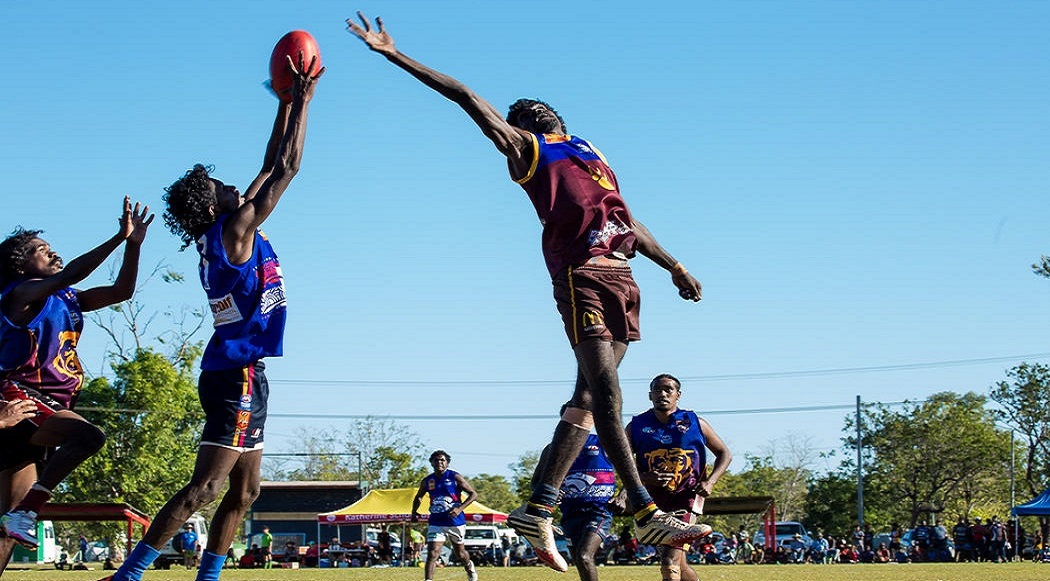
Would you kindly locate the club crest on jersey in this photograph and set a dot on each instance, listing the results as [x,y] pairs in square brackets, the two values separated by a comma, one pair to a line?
[676,461]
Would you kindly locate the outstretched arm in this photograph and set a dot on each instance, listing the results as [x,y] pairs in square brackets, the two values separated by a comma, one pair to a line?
[267,189]
[688,287]
[274,143]
[23,302]
[124,286]
[512,142]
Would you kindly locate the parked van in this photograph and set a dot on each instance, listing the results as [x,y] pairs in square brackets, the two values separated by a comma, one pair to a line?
[47,551]
[169,556]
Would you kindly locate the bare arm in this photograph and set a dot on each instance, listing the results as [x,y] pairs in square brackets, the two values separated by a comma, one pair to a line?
[24,301]
[723,457]
[512,142]
[415,501]
[472,495]
[124,286]
[688,287]
[239,235]
[274,143]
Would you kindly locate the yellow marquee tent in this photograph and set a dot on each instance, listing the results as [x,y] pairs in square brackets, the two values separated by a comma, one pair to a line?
[394,505]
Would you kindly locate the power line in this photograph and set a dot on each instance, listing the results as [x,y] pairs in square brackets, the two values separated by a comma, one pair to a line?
[695,378]
[486,418]
[513,417]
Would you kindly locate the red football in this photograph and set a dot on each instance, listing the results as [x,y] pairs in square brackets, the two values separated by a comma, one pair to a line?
[290,45]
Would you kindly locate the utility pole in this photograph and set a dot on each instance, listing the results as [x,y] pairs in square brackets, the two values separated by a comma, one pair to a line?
[860,472]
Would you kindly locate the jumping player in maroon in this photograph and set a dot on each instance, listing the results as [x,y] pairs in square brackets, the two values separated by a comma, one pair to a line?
[41,319]
[588,236]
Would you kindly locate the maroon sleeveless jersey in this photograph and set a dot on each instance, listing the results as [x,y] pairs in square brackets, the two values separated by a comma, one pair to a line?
[578,202]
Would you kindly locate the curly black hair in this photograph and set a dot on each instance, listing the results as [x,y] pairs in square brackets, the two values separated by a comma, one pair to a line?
[14,252]
[438,453]
[189,201]
[522,104]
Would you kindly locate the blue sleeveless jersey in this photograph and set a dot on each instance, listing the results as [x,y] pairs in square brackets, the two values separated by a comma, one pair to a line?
[677,447]
[247,302]
[444,496]
[591,480]
[43,354]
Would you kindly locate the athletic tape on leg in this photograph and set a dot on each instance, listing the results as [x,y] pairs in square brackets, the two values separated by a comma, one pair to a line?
[579,418]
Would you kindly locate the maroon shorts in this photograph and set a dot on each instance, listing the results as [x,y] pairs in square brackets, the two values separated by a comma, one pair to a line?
[598,300]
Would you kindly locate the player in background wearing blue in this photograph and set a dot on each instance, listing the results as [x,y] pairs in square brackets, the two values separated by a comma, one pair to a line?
[670,446]
[40,327]
[588,503]
[450,493]
[245,287]
[588,237]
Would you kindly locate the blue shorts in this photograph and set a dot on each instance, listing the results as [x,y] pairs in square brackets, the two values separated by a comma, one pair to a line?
[234,403]
[580,523]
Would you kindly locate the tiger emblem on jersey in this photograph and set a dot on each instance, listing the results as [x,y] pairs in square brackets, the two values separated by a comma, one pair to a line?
[66,362]
[675,461]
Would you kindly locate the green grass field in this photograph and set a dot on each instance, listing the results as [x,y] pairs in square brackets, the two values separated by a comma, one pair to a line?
[914,572]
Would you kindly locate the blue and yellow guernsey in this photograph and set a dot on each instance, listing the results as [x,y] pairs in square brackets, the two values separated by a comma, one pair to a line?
[591,481]
[247,302]
[677,447]
[578,201]
[444,496]
[43,354]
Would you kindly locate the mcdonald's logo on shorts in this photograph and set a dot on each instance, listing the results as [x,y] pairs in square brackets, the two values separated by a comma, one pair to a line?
[592,320]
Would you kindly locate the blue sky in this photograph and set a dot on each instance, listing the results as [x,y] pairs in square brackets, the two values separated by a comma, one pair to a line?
[857,185]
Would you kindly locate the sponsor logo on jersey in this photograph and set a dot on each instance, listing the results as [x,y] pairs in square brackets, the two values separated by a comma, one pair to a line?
[246,402]
[610,229]
[225,310]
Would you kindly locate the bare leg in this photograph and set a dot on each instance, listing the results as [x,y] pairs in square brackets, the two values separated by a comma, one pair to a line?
[433,552]
[464,557]
[598,391]
[244,489]
[213,466]
[77,440]
[583,557]
[14,483]
[598,361]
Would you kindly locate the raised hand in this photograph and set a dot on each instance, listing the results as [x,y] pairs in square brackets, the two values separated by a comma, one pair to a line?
[377,40]
[133,222]
[303,83]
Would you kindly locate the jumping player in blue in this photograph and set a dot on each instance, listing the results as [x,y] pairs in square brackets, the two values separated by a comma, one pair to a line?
[450,493]
[243,281]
